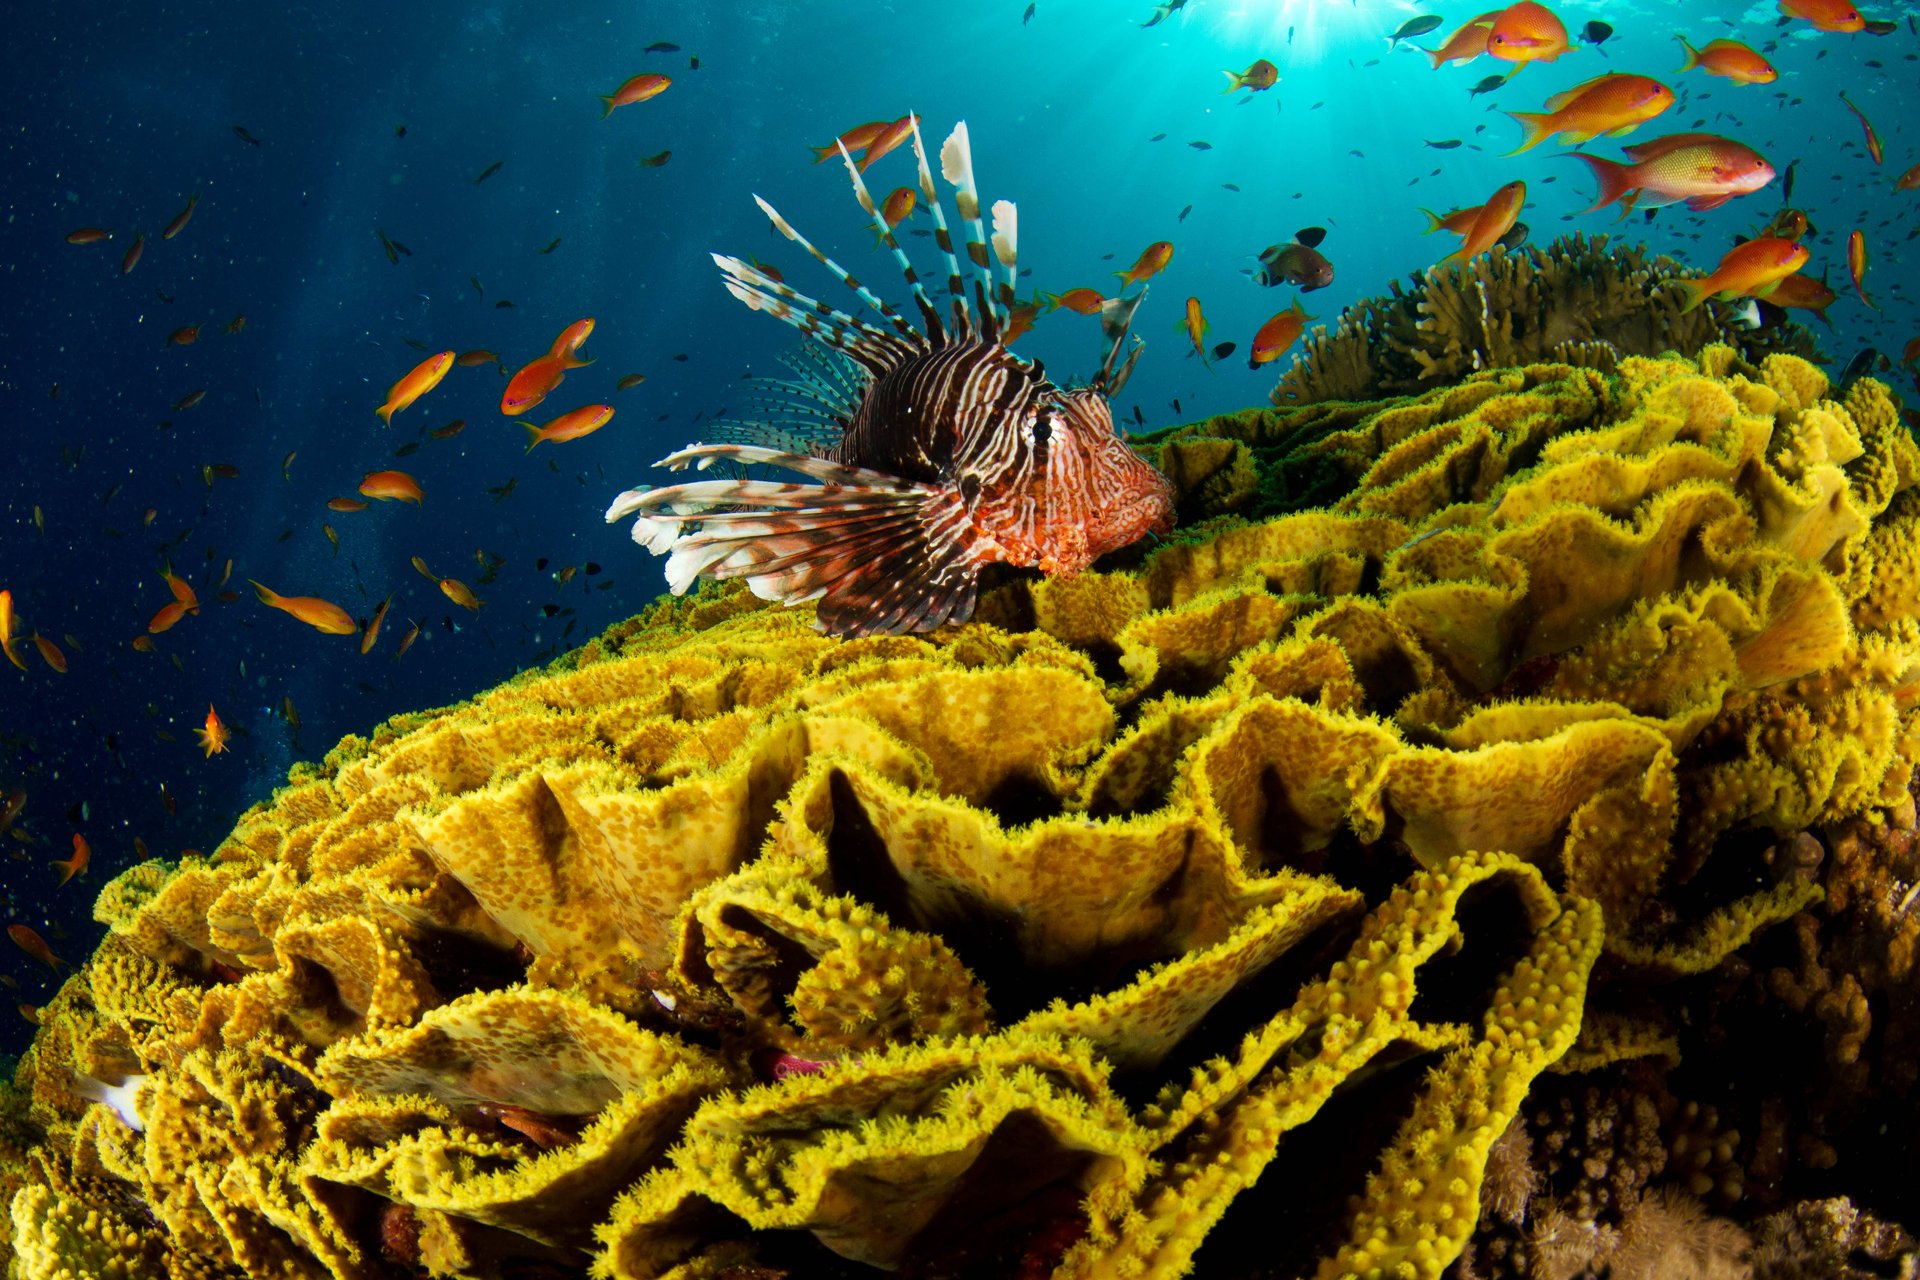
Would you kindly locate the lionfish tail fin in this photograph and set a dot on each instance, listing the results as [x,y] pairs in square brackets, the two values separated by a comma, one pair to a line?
[882,556]
[1116,318]
[956,165]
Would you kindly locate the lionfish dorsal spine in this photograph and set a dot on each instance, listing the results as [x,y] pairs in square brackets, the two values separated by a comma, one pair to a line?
[956,165]
[874,348]
[866,295]
[942,236]
[936,332]
[1006,247]
[1116,318]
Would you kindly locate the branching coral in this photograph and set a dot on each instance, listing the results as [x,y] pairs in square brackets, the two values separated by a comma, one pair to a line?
[1221,915]
[1576,301]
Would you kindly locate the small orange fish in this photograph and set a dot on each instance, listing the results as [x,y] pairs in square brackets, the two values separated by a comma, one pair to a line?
[88,235]
[372,633]
[1728,58]
[1196,327]
[35,945]
[1908,181]
[533,383]
[853,139]
[568,344]
[214,735]
[346,505]
[6,630]
[183,592]
[1260,76]
[629,382]
[406,641]
[1526,32]
[1277,334]
[1495,218]
[321,615]
[181,219]
[1804,292]
[1702,169]
[417,381]
[1082,301]
[1019,320]
[50,653]
[1873,139]
[637,89]
[1857,264]
[71,867]
[1152,260]
[457,591]
[144,643]
[1751,268]
[10,806]
[886,140]
[1825,15]
[236,325]
[1612,104]
[475,358]
[189,400]
[185,336]
[1466,44]
[131,258]
[571,425]
[169,613]
[391,485]
[899,206]
[1460,221]
[449,431]
[1908,355]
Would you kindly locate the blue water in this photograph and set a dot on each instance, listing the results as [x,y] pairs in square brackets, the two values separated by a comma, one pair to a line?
[116,115]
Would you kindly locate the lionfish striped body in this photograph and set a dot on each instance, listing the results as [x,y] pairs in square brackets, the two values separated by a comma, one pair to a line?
[930,453]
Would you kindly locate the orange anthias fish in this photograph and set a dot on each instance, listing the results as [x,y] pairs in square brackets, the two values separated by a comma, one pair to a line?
[1526,32]
[181,219]
[887,139]
[567,346]
[1753,268]
[89,235]
[321,615]
[571,425]
[71,867]
[367,640]
[1908,181]
[1152,260]
[6,630]
[1728,58]
[169,614]
[35,945]
[346,506]
[1260,76]
[1703,169]
[1277,334]
[1494,220]
[183,592]
[1825,15]
[1612,104]
[1909,354]
[1873,139]
[419,380]
[899,206]
[214,735]
[391,485]
[916,484]
[1196,327]
[50,652]
[533,383]
[853,139]
[1460,221]
[637,89]
[462,595]
[1466,44]
[1082,301]
[1804,292]
[1857,264]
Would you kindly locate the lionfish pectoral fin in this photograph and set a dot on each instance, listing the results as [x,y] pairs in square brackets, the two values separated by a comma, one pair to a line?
[881,555]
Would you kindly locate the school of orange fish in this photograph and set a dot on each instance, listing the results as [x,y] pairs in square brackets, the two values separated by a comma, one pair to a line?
[1698,169]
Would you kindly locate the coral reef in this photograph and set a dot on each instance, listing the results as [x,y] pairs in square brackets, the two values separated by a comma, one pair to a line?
[1575,301]
[1402,887]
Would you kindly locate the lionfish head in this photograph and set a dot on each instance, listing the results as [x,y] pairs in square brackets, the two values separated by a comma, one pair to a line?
[1131,498]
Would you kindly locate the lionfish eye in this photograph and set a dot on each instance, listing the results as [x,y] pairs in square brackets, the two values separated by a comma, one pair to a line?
[1043,426]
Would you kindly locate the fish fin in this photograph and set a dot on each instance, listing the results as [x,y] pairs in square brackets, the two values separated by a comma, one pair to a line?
[881,555]
[1537,126]
[943,237]
[956,166]
[1692,55]
[806,414]
[533,435]
[607,105]
[874,348]
[866,295]
[1434,222]
[883,234]
[1615,179]
[1116,317]
[1006,250]
[1234,81]
[1692,292]
[1310,236]
[1701,203]
[1565,96]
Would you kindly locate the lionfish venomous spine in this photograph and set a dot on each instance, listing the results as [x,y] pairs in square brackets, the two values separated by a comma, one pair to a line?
[930,452]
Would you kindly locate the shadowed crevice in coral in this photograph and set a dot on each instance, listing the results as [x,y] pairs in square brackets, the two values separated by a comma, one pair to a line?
[460,964]
[1456,986]
[989,1216]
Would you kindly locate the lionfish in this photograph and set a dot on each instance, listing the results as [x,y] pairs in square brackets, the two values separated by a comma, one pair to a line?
[933,452]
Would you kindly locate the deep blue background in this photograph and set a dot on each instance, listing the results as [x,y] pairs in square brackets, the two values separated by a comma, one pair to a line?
[114,115]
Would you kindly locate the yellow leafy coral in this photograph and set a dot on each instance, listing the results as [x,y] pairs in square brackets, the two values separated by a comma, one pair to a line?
[1093,938]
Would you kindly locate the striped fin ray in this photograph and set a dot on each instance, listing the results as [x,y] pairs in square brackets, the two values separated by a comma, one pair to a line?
[1116,317]
[942,236]
[956,165]
[874,348]
[867,295]
[936,332]
[807,413]
[882,555]
[1006,247]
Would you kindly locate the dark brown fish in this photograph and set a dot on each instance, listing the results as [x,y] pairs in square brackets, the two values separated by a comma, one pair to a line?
[1298,263]
[936,451]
